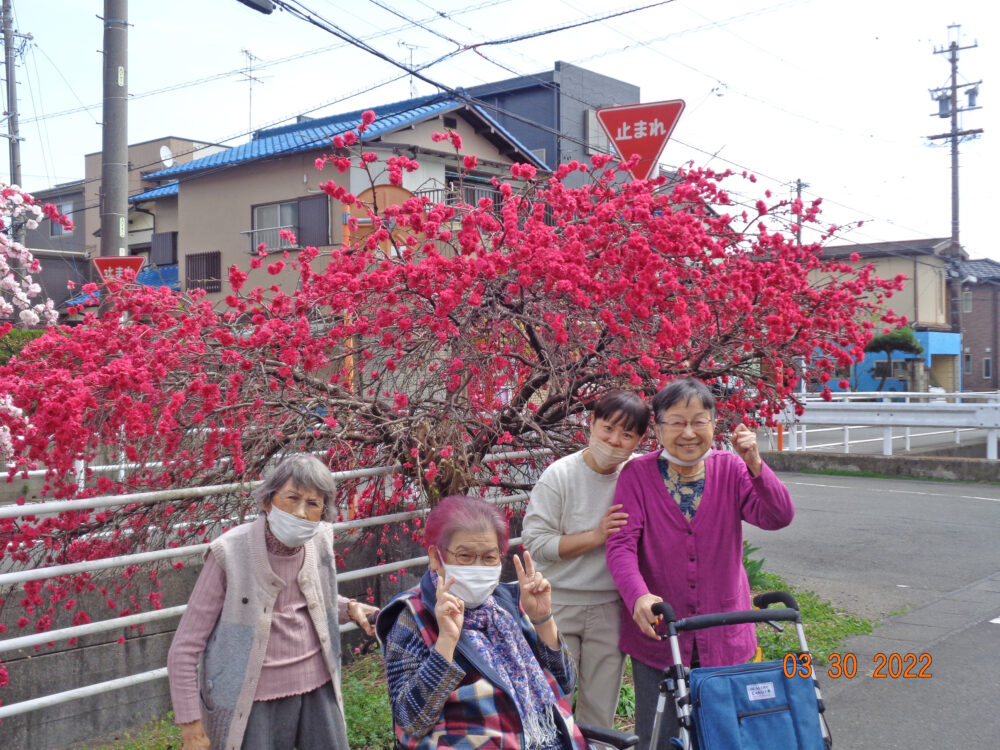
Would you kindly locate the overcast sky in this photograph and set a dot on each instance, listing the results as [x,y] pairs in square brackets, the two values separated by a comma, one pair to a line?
[832,92]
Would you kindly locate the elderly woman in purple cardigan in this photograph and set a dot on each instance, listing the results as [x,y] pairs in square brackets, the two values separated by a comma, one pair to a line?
[683,542]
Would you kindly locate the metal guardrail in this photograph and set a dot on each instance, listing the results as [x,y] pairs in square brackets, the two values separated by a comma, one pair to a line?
[55,507]
[956,411]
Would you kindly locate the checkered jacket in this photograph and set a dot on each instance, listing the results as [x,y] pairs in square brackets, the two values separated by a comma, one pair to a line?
[441,704]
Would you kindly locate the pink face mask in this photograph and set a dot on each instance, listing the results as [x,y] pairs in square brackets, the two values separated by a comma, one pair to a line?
[607,457]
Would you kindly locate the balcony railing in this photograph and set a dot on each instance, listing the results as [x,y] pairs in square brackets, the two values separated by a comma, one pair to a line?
[271,237]
[469,193]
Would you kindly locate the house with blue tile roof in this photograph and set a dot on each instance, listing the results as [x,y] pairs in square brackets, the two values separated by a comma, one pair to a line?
[927,301]
[217,211]
[199,207]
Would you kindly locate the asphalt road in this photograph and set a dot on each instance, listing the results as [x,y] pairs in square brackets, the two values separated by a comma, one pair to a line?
[923,560]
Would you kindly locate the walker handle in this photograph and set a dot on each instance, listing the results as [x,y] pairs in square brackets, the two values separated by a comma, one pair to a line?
[765,600]
[665,610]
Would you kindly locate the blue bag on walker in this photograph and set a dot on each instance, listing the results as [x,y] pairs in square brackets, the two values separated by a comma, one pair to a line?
[754,707]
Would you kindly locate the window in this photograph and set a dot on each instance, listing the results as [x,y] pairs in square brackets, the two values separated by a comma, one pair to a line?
[307,218]
[967,364]
[966,302]
[163,249]
[203,271]
[56,229]
[987,367]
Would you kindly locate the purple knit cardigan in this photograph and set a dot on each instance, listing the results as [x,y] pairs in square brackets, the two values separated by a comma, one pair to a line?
[695,566]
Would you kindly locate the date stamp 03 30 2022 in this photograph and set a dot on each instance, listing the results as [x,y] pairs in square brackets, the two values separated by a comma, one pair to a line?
[886,666]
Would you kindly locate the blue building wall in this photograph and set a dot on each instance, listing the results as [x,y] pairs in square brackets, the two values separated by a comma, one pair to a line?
[862,377]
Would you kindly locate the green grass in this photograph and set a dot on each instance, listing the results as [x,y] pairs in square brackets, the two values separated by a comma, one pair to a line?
[824,626]
[366,701]
[366,707]
[161,734]
[366,704]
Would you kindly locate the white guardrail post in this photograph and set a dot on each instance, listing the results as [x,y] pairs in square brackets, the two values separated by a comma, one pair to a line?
[886,435]
[883,413]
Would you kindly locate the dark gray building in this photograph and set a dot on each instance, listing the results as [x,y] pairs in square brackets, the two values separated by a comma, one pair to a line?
[61,251]
[552,113]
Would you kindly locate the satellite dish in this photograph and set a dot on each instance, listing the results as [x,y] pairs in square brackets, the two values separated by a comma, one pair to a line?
[166,156]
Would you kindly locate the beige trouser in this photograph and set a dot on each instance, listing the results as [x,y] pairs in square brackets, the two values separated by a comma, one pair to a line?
[591,634]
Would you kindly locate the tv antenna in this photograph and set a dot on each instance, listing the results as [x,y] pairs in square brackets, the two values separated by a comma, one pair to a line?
[411,47]
[250,78]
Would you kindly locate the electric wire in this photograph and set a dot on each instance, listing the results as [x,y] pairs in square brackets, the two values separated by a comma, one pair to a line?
[295,57]
[309,16]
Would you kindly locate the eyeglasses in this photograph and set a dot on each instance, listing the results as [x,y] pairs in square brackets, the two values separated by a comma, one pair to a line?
[464,557]
[679,425]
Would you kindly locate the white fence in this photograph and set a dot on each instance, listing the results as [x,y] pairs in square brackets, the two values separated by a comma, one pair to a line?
[898,415]
[11,644]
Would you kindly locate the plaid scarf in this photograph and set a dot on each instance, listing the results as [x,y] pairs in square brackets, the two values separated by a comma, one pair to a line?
[498,640]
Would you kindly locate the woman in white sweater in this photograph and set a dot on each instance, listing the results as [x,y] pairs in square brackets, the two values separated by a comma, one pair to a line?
[569,518]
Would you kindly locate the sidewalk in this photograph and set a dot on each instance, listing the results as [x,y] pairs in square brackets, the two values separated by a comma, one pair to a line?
[955,640]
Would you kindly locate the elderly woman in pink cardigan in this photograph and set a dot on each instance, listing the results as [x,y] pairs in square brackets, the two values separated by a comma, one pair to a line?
[683,542]
[255,662]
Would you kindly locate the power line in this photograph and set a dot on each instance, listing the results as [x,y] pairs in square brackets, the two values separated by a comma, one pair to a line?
[349,40]
[240,71]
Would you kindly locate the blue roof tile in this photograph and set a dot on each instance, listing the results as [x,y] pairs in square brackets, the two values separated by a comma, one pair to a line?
[166,275]
[316,134]
[163,191]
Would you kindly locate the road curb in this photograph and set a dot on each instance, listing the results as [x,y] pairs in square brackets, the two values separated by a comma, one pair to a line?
[920,467]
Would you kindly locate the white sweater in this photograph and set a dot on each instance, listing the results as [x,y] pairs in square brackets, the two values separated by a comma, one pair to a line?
[570,498]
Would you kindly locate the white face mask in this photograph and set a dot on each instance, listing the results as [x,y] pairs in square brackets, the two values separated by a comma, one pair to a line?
[290,530]
[607,457]
[473,583]
[674,460]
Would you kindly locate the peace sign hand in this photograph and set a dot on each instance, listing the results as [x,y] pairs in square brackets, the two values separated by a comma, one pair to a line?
[536,591]
[449,612]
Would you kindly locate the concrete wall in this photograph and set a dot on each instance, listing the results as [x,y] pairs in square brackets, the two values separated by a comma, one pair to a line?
[922,467]
[94,658]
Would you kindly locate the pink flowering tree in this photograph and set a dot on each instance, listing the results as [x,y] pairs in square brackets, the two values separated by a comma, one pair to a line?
[443,334]
[18,289]
[21,301]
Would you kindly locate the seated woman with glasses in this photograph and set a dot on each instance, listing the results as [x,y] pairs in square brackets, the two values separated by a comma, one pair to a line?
[472,662]
[683,542]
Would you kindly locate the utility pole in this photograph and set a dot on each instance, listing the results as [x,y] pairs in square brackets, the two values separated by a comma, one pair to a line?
[947,99]
[114,144]
[13,135]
